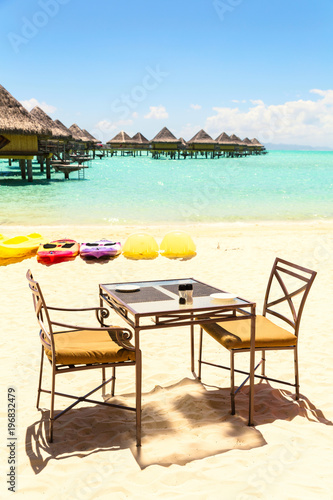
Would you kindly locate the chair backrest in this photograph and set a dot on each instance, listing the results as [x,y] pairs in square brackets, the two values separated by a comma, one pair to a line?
[301,279]
[43,318]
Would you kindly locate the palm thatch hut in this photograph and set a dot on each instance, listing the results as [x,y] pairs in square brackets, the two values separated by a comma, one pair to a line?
[257,144]
[258,147]
[63,128]
[19,131]
[237,143]
[140,141]
[78,133]
[46,121]
[121,140]
[248,145]
[202,142]
[91,137]
[165,141]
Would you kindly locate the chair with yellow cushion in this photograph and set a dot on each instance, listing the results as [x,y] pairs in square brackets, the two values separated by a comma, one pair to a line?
[235,335]
[76,348]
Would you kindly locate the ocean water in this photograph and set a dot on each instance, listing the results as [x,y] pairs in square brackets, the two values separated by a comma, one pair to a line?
[279,186]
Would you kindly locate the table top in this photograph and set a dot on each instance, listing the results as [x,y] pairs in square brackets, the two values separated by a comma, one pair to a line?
[154,297]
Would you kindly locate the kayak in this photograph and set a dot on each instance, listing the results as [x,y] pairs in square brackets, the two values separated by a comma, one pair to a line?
[19,246]
[58,250]
[100,249]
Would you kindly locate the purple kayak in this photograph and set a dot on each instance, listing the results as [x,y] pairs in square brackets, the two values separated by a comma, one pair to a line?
[101,248]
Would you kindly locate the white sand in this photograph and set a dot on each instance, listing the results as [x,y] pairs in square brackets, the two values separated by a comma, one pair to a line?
[192,446]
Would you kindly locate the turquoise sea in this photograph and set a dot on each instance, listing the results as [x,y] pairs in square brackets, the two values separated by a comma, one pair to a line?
[279,186]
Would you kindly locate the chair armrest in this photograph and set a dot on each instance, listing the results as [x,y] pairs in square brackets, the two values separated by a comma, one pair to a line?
[121,333]
[100,312]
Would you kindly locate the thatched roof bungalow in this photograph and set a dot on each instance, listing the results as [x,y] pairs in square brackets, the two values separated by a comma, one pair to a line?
[46,121]
[78,134]
[140,141]
[248,144]
[63,128]
[165,141]
[257,144]
[93,140]
[237,142]
[225,142]
[18,129]
[121,140]
[202,141]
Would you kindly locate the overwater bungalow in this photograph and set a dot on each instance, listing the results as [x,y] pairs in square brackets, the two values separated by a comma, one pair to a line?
[258,147]
[57,144]
[19,133]
[164,143]
[91,137]
[81,140]
[122,142]
[140,141]
[203,143]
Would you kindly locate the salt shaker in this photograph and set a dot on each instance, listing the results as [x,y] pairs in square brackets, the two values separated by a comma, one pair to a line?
[189,293]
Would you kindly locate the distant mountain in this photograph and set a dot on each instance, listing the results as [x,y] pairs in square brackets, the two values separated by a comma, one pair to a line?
[294,147]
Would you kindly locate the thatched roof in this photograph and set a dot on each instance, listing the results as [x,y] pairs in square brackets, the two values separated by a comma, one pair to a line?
[139,139]
[47,122]
[166,136]
[78,134]
[63,128]
[91,137]
[255,142]
[15,119]
[247,141]
[182,142]
[223,139]
[121,138]
[235,139]
[201,138]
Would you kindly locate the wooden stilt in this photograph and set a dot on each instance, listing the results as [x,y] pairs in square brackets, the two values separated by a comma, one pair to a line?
[29,170]
[22,167]
[48,168]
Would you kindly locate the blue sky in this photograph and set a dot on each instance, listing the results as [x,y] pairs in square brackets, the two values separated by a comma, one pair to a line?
[255,68]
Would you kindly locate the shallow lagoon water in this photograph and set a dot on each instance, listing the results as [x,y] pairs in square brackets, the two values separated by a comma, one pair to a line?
[282,185]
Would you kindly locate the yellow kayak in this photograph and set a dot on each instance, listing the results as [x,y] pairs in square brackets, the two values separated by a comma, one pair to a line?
[20,245]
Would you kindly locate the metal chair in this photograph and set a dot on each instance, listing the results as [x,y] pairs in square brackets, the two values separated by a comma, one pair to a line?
[235,335]
[77,348]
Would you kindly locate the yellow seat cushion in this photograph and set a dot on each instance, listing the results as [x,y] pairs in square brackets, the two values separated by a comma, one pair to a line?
[89,346]
[237,334]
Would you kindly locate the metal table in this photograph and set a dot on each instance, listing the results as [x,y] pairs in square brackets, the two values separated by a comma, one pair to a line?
[156,305]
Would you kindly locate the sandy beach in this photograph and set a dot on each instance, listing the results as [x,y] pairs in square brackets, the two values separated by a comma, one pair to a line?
[192,446]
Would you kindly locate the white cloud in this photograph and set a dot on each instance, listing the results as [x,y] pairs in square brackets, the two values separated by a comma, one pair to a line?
[31,103]
[135,114]
[157,113]
[307,122]
[237,101]
[189,131]
[195,106]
